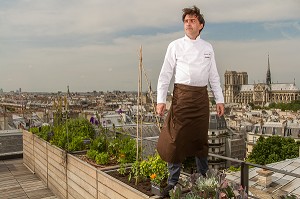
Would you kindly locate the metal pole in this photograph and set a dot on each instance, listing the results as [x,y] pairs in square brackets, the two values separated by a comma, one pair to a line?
[141,99]
[137,116]
[245,176]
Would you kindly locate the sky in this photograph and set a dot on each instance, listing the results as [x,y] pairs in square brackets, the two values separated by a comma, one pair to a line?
[93,45]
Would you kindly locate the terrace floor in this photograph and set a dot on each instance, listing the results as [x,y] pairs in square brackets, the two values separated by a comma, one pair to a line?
[17,181]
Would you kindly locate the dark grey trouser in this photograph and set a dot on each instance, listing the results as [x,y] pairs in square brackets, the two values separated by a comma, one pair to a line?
[174,169]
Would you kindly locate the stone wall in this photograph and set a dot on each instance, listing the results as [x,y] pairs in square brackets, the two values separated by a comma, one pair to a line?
[10,142]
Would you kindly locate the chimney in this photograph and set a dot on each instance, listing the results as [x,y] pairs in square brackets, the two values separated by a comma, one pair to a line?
[264,177]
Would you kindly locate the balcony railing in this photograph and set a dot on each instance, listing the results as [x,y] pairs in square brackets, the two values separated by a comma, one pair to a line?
[245,170]
[244,173]
[216,145]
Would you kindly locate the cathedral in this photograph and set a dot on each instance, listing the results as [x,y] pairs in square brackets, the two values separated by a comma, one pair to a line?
[237,90]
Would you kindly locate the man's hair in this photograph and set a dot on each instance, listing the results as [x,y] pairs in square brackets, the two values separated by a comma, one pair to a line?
[193,11]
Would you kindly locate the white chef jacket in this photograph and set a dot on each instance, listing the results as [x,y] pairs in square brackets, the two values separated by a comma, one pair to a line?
[193,62]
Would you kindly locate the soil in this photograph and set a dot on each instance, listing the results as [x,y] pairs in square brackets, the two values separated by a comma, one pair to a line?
[144,186]
[92,162]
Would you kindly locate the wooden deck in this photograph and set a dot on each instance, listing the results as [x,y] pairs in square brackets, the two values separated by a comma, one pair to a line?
[18,182]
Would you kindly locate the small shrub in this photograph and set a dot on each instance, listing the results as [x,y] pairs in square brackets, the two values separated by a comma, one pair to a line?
[77,144]
[154,168]
[92,154]
[42,132]
[102,158]
[99,144]
[70,135]
[135,172]
[122,169]
[121,149]
[215,185]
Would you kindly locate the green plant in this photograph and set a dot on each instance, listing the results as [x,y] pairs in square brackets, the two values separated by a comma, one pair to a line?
[212,186]
[153,167]
[127,149]
[122,169]
[273,149]
[102,158]
[158,169]
[206,187]
[234,169]
[122,161]
[123,146]
[135,171]
[70,135]
[99,144]
[92,154]
[191,196]
[176,192]
[288,197]
[121,149]
[42,132]
[77,144]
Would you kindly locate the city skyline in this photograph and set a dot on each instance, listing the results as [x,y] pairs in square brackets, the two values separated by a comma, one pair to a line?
[93,45]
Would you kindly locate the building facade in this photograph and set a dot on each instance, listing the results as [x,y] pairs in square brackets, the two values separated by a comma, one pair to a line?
[287,129]
[217,135]
[237,90]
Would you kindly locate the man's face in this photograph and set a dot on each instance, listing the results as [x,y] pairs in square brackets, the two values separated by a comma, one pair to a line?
[192,26]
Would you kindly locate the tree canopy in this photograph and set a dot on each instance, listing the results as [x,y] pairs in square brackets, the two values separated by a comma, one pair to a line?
[273,149]
[293,106]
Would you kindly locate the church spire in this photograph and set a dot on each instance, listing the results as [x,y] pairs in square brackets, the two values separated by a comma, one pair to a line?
[68,92]
[268,78]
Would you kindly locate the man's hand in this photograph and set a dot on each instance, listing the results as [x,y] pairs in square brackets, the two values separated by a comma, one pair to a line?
[160,108]
[220,109]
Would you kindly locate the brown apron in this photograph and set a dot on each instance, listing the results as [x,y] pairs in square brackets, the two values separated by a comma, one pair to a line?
[185,130]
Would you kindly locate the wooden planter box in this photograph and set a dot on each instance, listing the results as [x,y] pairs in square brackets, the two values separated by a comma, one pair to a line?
[69,177]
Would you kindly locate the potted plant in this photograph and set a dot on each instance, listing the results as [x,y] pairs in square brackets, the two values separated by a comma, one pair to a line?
[215,185]
[154,169]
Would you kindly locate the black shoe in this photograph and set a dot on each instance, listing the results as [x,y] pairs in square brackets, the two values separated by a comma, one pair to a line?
[166,190]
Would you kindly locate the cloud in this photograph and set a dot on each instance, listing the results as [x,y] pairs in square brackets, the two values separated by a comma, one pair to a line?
[281,25]
[53,17]
[252,57]
[99,41]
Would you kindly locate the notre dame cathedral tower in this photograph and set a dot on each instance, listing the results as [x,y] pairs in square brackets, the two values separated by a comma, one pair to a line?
[237,89]
[233,83]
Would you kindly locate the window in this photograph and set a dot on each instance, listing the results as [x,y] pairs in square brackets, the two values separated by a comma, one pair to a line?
[288,132]
[274,131]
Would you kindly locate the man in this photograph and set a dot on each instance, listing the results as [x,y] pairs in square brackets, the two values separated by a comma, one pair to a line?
[185,131]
